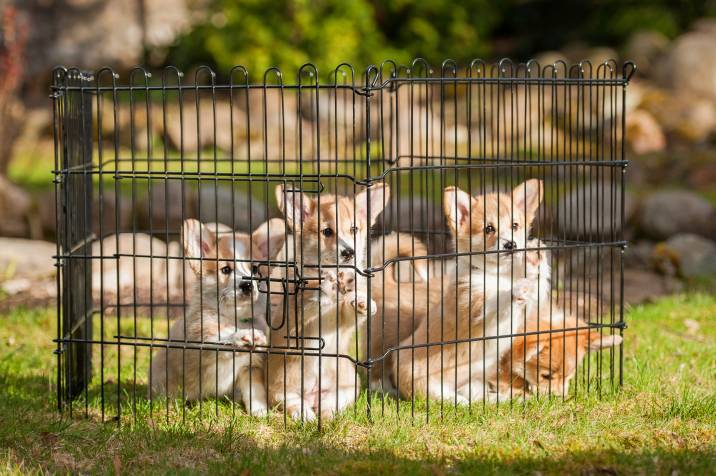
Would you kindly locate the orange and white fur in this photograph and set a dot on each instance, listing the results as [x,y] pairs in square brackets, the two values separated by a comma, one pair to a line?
[545,363]
[545,359]
[226,312]
[492,289]
[331,231]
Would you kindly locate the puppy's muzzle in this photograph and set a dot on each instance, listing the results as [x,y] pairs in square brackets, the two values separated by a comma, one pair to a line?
[510,245]
[246,286]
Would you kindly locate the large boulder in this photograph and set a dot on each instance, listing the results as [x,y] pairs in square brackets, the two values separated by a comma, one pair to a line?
[17,212]
[644,133]
[62,30]
[645,48]
[688,255]
[667,213]
[644,286]
[690,64]
[587,211]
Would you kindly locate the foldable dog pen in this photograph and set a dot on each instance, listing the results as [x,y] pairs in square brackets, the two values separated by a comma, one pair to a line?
[137,156]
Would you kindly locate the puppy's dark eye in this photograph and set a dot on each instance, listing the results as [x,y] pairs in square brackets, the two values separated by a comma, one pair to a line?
[327,232]
[245,320]
[515,226]
[547,375]
[354,229]
[489,229]
[255,269]
[226,270]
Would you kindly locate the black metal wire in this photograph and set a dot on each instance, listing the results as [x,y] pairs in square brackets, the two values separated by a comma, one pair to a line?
[136,159]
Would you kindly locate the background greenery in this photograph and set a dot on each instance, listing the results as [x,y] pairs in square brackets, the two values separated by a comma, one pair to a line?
[289,33]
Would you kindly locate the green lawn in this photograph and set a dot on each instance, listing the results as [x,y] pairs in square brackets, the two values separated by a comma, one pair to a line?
[663,421]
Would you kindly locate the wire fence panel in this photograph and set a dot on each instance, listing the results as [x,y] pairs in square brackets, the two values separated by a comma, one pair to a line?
[398,243]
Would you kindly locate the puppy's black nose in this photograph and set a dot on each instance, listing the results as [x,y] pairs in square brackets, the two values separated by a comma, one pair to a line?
[510,245]
[347,253]
[246,286]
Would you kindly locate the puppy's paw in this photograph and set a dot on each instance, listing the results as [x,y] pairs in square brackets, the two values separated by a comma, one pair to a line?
[329,282]
[248,338]
[294,411]
[362,305]
[346,281]
[258,409]
[523,290]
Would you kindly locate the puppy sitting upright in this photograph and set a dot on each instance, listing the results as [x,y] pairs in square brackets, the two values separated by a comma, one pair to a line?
[331,231]
[486,298]
[226,309]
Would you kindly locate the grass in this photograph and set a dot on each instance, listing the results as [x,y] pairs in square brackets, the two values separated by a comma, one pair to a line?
[663,421]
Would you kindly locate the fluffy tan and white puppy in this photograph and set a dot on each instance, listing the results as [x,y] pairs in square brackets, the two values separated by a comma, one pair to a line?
[226,315]
[330,231]
[486,299]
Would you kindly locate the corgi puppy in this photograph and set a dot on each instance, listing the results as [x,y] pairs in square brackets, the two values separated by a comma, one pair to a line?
[313,326]
[226,312]
[546,363]
[402,305]
[487,297]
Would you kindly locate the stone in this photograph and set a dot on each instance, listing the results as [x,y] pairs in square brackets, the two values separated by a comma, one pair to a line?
[27,273]
[667,213]
[26,259]
[17,212]
[639,255]
[690,255]
[171,203]
[219,204]
[644,133]
[586,212]
[645,286]
[645,48]
[690,63]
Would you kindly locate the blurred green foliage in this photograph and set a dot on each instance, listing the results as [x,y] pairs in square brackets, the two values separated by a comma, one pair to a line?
[260,34]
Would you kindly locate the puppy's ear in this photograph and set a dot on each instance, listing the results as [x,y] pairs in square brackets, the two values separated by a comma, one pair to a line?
[378,196]
[199,242]
[457,205]
[599,341]
[526,197]
[267,239]
[295,206]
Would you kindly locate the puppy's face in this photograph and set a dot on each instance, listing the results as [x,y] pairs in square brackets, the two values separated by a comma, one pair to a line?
[552,360]
[227,263]
[330,229]
[495,222]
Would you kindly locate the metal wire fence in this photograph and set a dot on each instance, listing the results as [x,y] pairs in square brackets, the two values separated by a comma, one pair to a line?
[405,241]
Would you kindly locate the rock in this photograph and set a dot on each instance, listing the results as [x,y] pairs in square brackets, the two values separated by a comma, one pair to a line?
[26,259]
[639,255]
[428,221]
[690,64]
[645,49]
[216,206]
[27,273]
[645,286]
[664,214]
[61,31]
[644,133]
[17,212]
[587,211]
[690,255]
[165,207]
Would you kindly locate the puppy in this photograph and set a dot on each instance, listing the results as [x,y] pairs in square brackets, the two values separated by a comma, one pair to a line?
[401,303]
[226,313]
[309,321]
[545,363]
[486,298]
